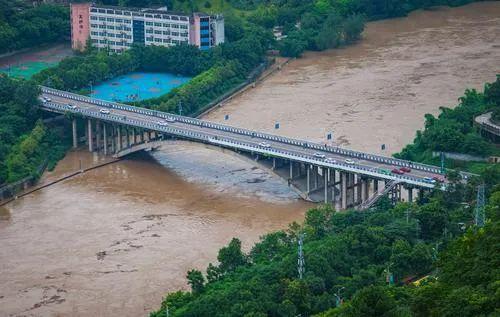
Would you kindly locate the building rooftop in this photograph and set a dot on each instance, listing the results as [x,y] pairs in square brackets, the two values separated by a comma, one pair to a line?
[155,10]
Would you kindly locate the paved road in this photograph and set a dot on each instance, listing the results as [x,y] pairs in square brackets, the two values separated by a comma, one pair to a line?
[246,140]
[485,121]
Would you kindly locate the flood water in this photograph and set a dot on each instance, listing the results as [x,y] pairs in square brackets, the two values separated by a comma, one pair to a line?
[378,91]
[114,241]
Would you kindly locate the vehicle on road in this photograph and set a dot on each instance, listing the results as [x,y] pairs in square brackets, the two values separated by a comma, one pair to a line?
[397,171]
[330,161]
[72,106]
[104,111]
[48,99]
[384,171]
[319,155]
[264,144]
[405,169]
[349,161]
[438,179]
[429,180]
[170,119]
[162,123]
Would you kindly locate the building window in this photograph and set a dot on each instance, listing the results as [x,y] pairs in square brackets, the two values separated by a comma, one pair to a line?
[150,31]
[149,23]
[157,24]
[93,18]
[102,19]
[175,33]
[111,20]
[157,32]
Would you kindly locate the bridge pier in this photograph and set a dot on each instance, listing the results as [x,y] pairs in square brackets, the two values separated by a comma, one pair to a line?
[127,133]
[326,174]
[410,194]
[89,135]
[333,182]
[98,135]
[343,190]
[133,137]
[105,132]
[308,171]
[75,134]
[119,139]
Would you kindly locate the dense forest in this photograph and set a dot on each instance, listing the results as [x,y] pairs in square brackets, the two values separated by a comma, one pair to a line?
[25,143]
[453,130]
[360,263]
[22,25]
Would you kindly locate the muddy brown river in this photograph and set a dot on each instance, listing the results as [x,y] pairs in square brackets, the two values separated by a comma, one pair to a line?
[114,241]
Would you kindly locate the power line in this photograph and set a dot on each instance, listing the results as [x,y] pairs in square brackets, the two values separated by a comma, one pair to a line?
[480,215]
[300,260]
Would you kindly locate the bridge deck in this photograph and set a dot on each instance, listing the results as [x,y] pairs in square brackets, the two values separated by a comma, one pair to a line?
[242,139]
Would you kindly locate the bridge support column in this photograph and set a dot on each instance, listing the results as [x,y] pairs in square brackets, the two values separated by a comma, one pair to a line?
[274,163]
[127,133]
[113,138]
[98,135]
[291,169]
[308,171]
[316,176]
[75,134]
[365,190]
[142,136]
[105,132]
[359,189]
[410,194]
[375,185]
[343,189]
[326,173]
[89,135]
[133,136]
[333,181]
[119,139]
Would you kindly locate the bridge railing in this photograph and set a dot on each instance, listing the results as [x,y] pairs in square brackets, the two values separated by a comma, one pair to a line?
[221,127]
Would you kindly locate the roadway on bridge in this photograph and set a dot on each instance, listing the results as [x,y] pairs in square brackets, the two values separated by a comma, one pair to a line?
[217,134]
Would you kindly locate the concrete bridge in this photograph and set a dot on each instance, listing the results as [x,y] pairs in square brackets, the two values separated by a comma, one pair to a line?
[487,126]
[318,172]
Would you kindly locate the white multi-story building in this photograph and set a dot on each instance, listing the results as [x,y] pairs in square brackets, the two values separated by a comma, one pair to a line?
[117,28]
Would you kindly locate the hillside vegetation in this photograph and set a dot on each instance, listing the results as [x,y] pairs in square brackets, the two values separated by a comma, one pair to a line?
[22,25]
[364,259]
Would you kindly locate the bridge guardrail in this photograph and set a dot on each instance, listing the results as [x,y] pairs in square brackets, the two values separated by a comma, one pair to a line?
[241,145]
[336,150]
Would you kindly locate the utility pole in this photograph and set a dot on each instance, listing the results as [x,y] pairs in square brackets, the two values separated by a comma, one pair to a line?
[180,108]
[480,216]
[300,261]
[442,163]
[338,300]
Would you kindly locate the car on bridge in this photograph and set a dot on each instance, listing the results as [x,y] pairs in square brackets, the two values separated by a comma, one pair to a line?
[429,180]
[73,107]
[384,171]
[319,155]
[170,119]
[104,111]
[397,171]
[405,169]
[330,161]
[162,123]
[265,144]
[349,161]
